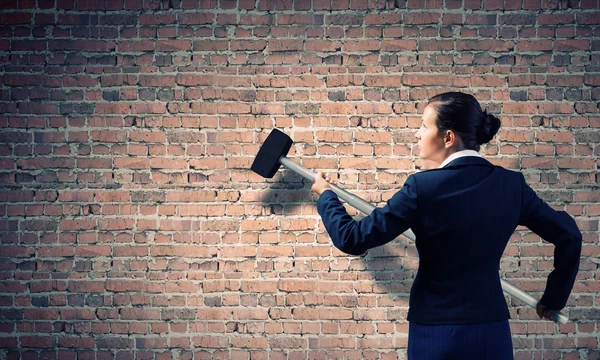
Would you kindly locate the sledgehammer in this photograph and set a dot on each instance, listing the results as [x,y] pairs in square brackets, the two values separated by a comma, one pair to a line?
[273,153]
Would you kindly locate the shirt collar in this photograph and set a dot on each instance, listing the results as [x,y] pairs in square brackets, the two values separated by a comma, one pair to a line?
[460,154]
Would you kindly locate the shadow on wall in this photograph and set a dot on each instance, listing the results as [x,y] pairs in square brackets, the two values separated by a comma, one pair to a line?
[387,270]
[287,193]
[392,269]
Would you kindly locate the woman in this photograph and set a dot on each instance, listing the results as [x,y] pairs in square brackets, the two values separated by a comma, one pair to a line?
[462,214]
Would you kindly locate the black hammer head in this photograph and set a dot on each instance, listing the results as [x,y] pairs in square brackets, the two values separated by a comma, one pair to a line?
[266,162]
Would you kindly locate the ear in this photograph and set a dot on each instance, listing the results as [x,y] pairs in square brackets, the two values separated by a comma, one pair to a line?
[449,139]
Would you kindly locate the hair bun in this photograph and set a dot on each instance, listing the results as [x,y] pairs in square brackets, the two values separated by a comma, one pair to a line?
[488,128]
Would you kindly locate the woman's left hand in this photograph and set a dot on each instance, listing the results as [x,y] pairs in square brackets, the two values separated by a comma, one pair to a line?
[543,312]
[322,182]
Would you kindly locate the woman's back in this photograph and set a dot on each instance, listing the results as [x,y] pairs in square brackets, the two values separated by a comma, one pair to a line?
[467,212]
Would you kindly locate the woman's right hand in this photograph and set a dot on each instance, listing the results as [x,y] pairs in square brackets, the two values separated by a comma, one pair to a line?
[544,312]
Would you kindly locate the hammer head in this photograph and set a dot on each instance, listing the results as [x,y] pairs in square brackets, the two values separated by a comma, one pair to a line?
[275,146]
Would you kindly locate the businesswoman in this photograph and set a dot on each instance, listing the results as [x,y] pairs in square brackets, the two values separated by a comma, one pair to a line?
[462,214]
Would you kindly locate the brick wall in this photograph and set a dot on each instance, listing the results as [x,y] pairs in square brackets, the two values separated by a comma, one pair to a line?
[131,226]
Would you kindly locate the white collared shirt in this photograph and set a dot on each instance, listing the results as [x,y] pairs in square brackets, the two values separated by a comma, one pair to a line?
[460,154]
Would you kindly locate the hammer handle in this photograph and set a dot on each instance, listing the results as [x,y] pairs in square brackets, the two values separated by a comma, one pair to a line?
[366,208]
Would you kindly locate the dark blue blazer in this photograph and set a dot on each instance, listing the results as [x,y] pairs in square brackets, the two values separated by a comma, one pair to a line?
[463,216]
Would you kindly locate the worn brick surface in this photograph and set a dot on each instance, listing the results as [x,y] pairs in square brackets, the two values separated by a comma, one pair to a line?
[132,228]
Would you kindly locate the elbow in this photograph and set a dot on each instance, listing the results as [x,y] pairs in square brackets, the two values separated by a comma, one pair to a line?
[348,249]
[575,245]
[349,241]
[577,239]
[354,252]
[578,242]
[576,236]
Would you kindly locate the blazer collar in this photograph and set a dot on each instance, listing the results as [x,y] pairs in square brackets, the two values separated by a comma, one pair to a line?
[459,154]
[468,160]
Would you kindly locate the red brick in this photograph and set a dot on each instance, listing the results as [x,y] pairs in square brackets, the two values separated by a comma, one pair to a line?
[363,45]
[564,80]
[77,342]
[571,45]
[323,45]
[576,163]
[115,224]
[76,225]
[135,45]
[156,80]
[196,18]
[539,163]
[285,45]
[432,45]
[13,18]
[17,251]
[428,80]
[157,19]
[37,341]
[421,18]
[81,45]
[246,45]
[148,108]
[132,163]
[93,251]
[41,314]
[188,251]
[534,45]
[37,108]
[487,45]
[117,80]
[84,163]
[211,341]
[139,314]
[56,251]
[111,108]
[86,286]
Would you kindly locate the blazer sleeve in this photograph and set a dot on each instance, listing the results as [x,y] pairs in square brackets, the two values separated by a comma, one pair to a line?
[560,229]
[380,227]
